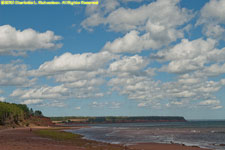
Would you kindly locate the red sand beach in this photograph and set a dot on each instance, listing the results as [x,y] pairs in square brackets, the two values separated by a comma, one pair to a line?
[24,139]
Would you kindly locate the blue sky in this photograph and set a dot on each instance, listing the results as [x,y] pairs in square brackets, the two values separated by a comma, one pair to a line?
[121,57]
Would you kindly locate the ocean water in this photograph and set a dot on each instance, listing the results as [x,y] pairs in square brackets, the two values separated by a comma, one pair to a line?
[205,134]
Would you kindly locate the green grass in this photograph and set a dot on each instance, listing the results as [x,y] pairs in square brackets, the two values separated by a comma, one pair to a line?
[58,135]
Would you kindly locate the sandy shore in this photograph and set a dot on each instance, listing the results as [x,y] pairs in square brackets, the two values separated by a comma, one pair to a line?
[23,139]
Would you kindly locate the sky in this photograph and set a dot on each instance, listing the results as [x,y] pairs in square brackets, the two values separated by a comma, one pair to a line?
[118,58]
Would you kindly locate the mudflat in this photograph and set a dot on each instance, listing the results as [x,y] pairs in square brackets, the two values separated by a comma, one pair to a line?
[25,139]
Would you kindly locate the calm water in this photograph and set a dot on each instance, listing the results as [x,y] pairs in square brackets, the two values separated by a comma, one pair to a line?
[206,134]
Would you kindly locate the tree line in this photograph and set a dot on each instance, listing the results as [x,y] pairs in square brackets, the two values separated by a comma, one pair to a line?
[11,113]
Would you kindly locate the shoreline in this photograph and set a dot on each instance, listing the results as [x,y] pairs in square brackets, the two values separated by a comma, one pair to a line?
[24,139]
[163,146]
[155,145]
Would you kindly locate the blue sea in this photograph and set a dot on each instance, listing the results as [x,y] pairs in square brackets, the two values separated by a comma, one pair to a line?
[205,134]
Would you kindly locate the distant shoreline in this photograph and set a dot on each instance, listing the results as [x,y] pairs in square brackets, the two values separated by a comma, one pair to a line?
[116,119]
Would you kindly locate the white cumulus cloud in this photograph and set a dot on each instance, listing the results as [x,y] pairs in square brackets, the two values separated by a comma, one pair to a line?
[76,62]
[16,42]
[15,75]
[32,101]
[212,16]
[2,99]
